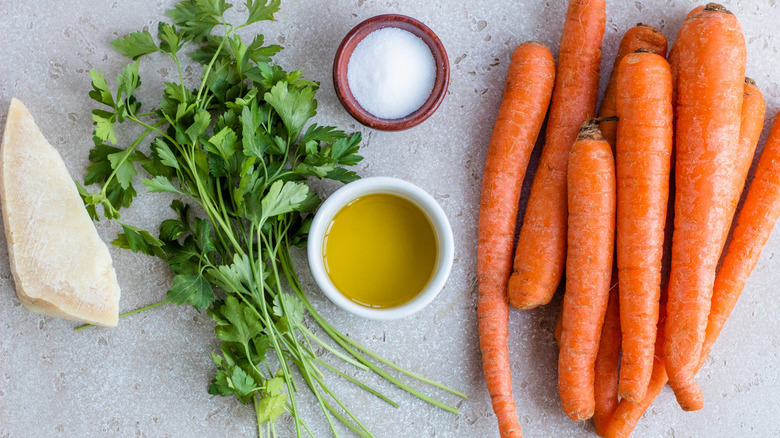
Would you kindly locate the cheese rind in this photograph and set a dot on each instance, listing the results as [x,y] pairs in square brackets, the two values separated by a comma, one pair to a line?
[60,266]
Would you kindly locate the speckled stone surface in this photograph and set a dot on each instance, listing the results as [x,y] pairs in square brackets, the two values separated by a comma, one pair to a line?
[148,376]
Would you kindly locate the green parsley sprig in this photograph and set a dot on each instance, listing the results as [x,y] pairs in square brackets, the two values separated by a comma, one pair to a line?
[239,146]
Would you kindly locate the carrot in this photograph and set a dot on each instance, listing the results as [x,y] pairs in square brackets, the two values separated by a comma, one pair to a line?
[605,383]
[541,249]
[527,93]
[628,413]
[641,36]
[607,361]
[753,111]
[644,149]
[724,297]
[591,234]
[711,72]
[754,222]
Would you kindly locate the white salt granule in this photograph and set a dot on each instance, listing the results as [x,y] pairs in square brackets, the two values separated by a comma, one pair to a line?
[391,73]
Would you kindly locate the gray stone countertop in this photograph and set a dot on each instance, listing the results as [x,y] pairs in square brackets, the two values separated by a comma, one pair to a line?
[148,376]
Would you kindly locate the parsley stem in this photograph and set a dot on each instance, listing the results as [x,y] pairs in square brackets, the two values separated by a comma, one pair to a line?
[130,149]
[340,340]
[178,69]
[154,128]
[208,69]
[326,407]
[345,342]
[405,371]
[258,273]
[132,312]
[257,415]
[345,409]
[214,216]
[300,420]
[222,208]
[332,350]
[274,268]
[357,382]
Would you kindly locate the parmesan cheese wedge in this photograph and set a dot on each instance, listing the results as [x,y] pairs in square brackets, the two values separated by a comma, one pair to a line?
[60,266]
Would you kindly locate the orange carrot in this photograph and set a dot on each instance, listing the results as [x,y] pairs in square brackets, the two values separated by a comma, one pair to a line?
[605,383]
[724,295]
[607,361]
[527,94]
[644,149]
[541,247]
[754,222]
[638,37]
[753,111]
[591,234]
[628,413]
[711,72]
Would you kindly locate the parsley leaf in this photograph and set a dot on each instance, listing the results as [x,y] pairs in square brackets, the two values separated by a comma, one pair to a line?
[270,408]
[260,10]
[289,310]
[193,19]
[199,125]
[343,175]
[243,383]
[171,229]
[191,288]
[104,125]
[203,235]
[259,53]
[125,171]
[138,240]
[100,92]
[219,385]
[282,197]
[160,184]
[135,45]
[223,143]
[239,272]
[171,40]
[212,8]
[164,152]
[325,134]
[294,105]
[244,325]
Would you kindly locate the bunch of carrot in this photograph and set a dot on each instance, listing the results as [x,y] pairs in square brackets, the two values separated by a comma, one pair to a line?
[656,177]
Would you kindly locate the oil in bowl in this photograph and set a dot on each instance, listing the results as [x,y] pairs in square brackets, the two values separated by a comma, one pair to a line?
[380,250]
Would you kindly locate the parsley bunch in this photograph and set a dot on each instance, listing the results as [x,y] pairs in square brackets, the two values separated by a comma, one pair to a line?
[239,148]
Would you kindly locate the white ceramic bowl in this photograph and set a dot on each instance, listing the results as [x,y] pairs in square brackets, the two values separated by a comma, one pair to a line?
[394,186]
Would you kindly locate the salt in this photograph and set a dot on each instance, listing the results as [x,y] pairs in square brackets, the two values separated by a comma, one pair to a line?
[391,73]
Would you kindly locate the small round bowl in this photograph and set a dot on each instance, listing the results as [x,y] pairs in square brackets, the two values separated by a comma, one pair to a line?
[341,62]
[394,186]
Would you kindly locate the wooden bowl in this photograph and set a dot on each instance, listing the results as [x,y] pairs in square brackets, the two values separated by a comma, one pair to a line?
[356,35]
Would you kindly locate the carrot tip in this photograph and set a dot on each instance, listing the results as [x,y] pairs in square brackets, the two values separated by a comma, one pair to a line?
[580,415]
[714,7]
[653,28]
[538,43]
[689,397]
[590,130]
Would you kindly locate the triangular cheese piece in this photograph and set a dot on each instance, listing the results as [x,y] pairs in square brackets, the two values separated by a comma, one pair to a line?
[60,266]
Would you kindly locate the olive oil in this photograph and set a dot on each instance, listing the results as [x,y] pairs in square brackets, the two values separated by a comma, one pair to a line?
[380,250]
